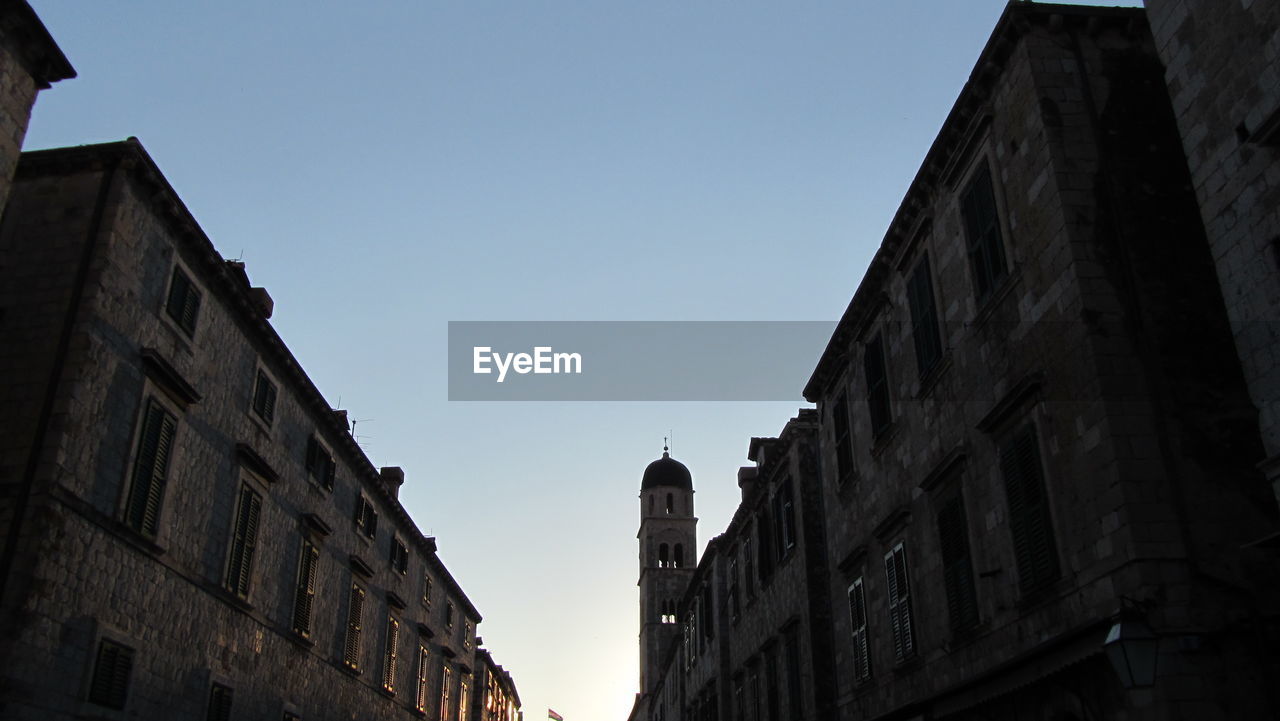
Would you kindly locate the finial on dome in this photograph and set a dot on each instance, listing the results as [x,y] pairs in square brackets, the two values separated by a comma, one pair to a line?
[665,454]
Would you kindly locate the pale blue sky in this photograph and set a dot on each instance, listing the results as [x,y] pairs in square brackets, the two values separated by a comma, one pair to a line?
[388,166]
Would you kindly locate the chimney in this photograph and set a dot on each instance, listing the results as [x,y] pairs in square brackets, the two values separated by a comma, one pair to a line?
[341,417]
[262,299]
[747,480]
[393,478]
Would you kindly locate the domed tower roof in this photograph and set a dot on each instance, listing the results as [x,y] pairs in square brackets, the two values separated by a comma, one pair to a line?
[667,471]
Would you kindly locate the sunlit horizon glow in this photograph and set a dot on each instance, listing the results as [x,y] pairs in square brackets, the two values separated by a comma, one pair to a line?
[386,167]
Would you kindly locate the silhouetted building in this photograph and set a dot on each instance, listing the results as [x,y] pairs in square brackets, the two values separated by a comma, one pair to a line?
[748,630]
[1034,424]
[1038,489]
[190,530]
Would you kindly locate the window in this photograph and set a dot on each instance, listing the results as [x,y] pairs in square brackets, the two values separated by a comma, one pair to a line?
[304,592]
[426,588]
[957,570]
[663,556]
[748,569]
[355,613]
[111,672]
[366,517]
[183,305]
[399,556]
[446,679]
[1029,520]
[679,556]
[982,231]
[244,541]
[844,440]
[764,531]
[291,716]
[734,609]
[785,515]
[877,385]
[150,469]
[264,398]
[754,699]
[858,622]
[448,615]
[420,697]
[792,651]
[219,703]
[466,634]
[924,318]
[771,682]
[320,465]
[671,504]
[389,655]
[895,570]
[464,699]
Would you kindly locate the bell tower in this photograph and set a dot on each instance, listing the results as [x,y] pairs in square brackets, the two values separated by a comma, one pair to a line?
[668,556]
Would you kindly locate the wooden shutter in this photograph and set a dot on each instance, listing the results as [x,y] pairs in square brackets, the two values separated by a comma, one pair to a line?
[924,317]
[304,598]
[264,398]
[220,698]
[328,471]
[355,610]
[390,654]
[1029,519]
[111,672]
[982,229]
[877,385]
[858,622]
[244,541]
[957,569]
[184,301]
[151,468]
[424,657]
[895,567]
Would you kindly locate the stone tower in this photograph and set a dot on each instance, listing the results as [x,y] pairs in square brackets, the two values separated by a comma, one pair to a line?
[668,548]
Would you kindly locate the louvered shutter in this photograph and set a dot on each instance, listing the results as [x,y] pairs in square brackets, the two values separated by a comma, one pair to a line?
[957,570]
[1029,520]
[110,684]
[244,542]
[858,621]
[424,657]
[151,468]
[924,317]
[351,651]
[304,599]
[313,456]
[895,566]
[877,385]
[389,657]
[220,698]
[328,469]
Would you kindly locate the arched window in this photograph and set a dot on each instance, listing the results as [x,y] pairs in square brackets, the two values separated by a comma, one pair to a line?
[662,556]
[650,504]
[671,503]
[679,556]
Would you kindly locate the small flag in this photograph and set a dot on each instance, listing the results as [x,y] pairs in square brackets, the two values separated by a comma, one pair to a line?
[554,716]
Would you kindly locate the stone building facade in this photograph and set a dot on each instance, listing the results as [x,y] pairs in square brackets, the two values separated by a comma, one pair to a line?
[190,530]
[1033,421]
[1222,66]
[201,535]
[1037,445]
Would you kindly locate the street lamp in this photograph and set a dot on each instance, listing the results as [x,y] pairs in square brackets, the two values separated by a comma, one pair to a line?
[1131,647]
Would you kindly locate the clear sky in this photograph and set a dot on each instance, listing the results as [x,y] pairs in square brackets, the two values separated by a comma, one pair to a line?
[385,167]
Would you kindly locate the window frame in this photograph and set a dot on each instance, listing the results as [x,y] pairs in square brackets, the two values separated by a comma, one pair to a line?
[266,393]
[239,568]
[898,603]
[986,273]
[1032,581]
[859,631]
[187,317]
[321,466]
[132,506]
[926,329]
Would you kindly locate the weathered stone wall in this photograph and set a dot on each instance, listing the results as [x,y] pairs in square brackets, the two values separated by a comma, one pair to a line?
[1106,336]
[1222,66]
[87,575]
